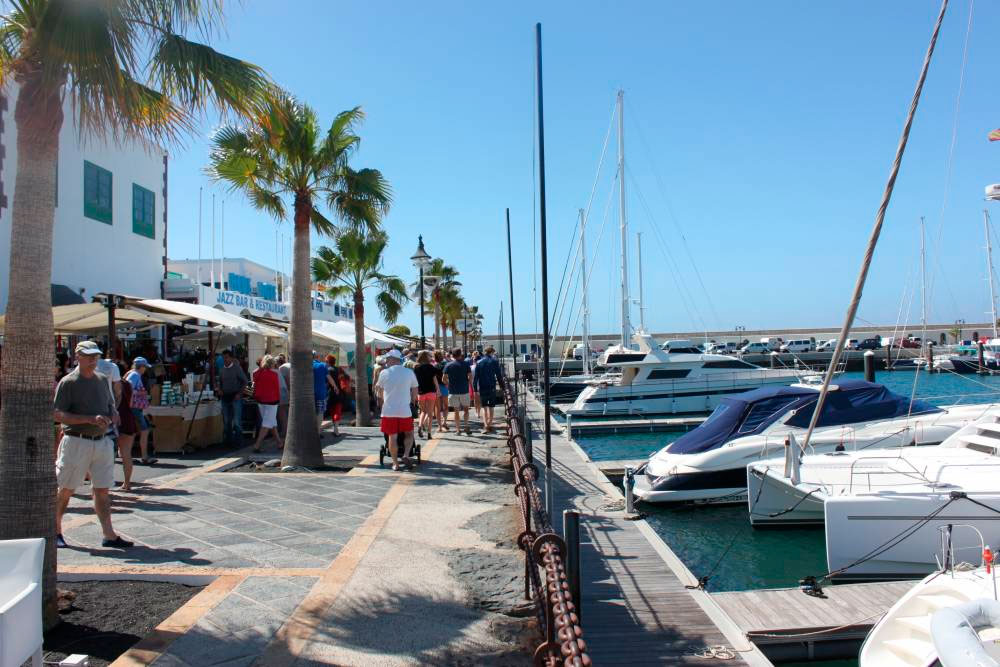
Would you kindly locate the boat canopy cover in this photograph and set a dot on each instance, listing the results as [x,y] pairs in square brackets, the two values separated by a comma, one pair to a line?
[851,402]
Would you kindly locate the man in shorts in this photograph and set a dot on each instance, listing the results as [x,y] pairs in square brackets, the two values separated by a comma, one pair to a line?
[86,408]
[397,387]
[487,377]
[458,377]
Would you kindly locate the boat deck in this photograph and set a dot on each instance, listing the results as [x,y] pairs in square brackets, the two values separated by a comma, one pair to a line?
[788,624]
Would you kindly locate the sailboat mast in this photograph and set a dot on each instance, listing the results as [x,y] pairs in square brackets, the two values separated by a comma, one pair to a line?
[923,278]
[989,271]
[586,305]
[626,325]
[642,304]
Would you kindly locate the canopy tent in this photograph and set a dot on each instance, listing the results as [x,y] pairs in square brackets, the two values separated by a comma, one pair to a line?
[85,318]
[343,333]
[225,321]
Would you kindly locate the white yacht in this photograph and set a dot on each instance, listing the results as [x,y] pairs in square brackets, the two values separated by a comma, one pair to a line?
[676,378]
[951,618]
[785,493]
[709,463]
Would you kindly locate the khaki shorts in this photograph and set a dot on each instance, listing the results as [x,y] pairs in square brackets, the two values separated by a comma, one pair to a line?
[78,456]
[458,401]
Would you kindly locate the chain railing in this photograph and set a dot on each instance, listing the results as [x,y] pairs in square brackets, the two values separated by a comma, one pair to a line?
[558,617]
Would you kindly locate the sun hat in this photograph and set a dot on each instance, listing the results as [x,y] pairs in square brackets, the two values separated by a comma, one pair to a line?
[139,361]
[87,347]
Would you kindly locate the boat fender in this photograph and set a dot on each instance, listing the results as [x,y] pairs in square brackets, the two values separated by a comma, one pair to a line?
[956,640]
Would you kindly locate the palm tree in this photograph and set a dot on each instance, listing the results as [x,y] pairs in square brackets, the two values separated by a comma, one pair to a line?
[471,319]
[283,154]
[94,54]
[451,305]
[447,276]
[352,268]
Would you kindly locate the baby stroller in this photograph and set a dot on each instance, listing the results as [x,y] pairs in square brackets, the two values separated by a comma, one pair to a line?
[383,452]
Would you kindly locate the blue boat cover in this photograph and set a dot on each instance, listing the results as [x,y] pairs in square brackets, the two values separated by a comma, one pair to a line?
[852,402]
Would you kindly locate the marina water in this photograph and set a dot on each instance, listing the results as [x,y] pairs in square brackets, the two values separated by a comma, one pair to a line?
[764,558]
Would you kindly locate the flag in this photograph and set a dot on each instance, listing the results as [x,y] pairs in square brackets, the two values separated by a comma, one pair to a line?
[995,135]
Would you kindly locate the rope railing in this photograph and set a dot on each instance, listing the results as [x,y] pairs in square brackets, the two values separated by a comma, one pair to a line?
[558,618]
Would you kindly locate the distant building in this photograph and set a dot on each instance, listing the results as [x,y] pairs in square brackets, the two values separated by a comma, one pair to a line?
[110,232]
[242,287]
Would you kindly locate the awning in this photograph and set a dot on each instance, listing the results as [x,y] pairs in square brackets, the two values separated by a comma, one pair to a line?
[223,320]
[93,317]
[343,332]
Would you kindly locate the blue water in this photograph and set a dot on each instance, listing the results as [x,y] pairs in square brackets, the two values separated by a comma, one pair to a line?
[764,558]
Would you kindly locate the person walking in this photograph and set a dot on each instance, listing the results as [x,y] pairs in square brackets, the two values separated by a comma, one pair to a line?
[442,404]
[231,381]
[397,388]
[285,373]
[458,379]
[138,403]
[485,381]
[85,407]
[335,399]
[127,428]
[267,393]
[321,390]
[427,392]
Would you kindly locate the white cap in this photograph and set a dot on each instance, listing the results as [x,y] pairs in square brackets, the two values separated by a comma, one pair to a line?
[394,354]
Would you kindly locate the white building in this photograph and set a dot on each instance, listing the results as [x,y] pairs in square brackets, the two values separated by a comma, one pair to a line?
[242,287]
[110,231]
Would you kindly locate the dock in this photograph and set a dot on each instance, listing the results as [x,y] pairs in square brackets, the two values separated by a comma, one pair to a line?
[636,607]
[633,425]
[789,625]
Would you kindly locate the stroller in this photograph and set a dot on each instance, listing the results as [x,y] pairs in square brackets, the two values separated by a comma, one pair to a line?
[384,453]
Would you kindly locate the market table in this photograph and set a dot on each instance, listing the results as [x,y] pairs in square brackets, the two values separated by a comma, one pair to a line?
[172,423]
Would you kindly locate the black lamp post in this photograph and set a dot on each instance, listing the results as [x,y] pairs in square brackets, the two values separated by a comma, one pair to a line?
[421,260]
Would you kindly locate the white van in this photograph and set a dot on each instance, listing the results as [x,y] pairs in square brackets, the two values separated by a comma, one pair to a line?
[827,345]
[773,343]
[793,346]
[755,348]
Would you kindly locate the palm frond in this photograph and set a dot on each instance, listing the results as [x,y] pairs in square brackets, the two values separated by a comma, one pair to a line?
[197,75]
[321,223]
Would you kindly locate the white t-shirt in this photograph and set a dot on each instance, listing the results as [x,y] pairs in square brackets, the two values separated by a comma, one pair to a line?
[396,382]
[109,369]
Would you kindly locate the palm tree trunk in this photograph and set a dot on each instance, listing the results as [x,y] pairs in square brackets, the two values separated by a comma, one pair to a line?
[361,414]
[27,476]
[302,444]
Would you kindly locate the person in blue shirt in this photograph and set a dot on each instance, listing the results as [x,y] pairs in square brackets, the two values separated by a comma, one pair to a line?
[485,382]
[457,377]
[320,389]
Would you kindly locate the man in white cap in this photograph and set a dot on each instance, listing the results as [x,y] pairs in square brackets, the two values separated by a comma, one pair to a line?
[86,408]
[397,388]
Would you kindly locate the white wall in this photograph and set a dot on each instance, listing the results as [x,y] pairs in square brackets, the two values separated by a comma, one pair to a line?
[88,253]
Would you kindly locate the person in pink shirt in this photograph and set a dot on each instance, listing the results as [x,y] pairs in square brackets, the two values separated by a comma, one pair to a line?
[267,393]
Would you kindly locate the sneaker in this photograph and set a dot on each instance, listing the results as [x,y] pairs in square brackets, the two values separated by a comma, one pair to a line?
[468,431]
[408,463]
[117,543]
[395,466]
[61,541]
[149,461]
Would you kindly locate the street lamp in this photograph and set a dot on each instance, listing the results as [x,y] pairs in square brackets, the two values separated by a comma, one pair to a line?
[421,260]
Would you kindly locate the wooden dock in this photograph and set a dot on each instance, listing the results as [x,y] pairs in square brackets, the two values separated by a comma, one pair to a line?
[637,608]
[788,625]
[633,425]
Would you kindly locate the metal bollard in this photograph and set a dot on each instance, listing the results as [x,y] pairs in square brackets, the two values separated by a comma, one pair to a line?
[628,482]
[571,535]
[869,366]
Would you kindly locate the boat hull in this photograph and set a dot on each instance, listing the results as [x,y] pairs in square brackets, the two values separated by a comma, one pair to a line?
[774,501]
[863,528]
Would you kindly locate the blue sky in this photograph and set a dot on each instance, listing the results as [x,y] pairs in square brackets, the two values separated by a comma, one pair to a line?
[758,139]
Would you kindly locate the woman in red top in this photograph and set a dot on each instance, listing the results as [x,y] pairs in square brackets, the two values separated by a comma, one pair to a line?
[267,393]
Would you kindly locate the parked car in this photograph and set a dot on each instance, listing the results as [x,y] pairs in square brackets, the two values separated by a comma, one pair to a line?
[852,344]
[870,344]
[827,345]
[803,345]
[755,348]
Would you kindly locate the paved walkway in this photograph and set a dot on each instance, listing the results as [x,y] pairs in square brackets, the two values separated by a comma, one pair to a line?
[368,567]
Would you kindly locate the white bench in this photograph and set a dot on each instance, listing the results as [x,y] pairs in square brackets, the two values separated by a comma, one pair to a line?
[21,601]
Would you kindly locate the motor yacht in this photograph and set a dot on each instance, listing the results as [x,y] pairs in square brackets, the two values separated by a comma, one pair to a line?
[709,463]
[675,378]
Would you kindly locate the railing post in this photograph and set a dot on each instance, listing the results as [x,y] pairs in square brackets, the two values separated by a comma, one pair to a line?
[571,535]
[628,482]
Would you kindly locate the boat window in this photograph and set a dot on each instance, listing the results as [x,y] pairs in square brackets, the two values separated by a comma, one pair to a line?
[728,363]
[763,411]
[668,373]
[860,405]
[624,358]
[682,350]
